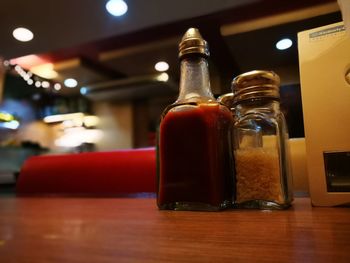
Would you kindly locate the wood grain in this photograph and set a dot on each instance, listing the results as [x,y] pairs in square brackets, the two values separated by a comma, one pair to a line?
[133,230]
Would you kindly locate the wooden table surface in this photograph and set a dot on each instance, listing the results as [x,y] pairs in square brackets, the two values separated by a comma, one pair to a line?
[133,230]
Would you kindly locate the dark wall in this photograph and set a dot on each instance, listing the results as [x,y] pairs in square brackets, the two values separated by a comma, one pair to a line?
[291,105]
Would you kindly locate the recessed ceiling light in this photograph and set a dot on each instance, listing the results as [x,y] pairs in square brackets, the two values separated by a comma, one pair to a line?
[70,83]
[284,43]
[83,91]
[164,77]
[22,34]
[161,66]
[116,7]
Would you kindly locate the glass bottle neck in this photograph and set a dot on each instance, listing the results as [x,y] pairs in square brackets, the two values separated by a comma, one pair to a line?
[194,81]
[265,106]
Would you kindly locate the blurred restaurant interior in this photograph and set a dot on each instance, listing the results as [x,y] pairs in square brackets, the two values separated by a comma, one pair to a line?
[83,78]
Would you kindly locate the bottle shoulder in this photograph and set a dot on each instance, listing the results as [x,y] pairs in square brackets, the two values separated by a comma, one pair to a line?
[206,107]
[207,111]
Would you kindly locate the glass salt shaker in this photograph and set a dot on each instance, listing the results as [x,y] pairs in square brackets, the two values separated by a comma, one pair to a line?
[263,177]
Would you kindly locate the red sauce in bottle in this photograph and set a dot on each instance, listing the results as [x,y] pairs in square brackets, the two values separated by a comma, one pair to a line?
[195,157]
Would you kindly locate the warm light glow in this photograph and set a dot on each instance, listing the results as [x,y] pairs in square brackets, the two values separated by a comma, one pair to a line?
[91,121]
[4,116]
[161,66]
[22,34]
[72,123]
[63,117]
[164,77]
[116,7]
[57,86]
[68,140]
[74,137]
[28,61]
[45,71]
[70,83]
[284,44]
[45,84]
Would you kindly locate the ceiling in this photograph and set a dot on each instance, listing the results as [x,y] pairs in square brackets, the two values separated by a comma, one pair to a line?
[60,24]
[84,42]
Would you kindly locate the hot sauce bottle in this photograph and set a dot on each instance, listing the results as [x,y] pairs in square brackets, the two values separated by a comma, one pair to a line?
[195,167]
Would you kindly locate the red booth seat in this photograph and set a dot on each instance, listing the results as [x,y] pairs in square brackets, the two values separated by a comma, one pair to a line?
[91,174]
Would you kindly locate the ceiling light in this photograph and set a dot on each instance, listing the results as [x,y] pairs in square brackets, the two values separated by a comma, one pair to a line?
[116,7]
[37,84]
[284,44]
[22,34]
[13,125]
[91,121]
[70,83]
[57,86]
[161,66]
[63,117]
[74,137]
[83,90]
[4,116]
[164,77]
[30,82]
[29,61]
[45,71]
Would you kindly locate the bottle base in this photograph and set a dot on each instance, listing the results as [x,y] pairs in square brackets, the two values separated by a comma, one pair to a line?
[262,204]
[193,206]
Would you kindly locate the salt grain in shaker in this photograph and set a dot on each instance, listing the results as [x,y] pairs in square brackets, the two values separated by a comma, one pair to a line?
[263,178]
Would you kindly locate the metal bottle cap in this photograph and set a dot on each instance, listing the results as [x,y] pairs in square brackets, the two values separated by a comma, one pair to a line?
[256,84]
[193,43]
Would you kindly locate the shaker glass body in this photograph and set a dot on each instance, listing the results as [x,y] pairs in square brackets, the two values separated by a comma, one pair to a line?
[263,176]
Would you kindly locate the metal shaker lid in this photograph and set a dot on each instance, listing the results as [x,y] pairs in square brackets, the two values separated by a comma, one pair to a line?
[256,84]
[193,43]
[227,100]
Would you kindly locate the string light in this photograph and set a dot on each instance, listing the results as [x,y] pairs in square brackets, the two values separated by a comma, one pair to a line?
[6,63]
[29,77]
[45,84]
[37,84]
[57,86]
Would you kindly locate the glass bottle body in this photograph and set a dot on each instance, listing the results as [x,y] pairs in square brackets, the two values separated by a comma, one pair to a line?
[263,178]
[194,146]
